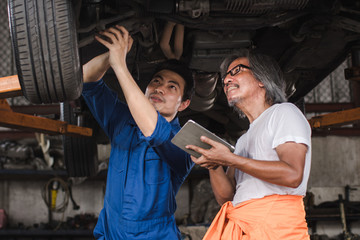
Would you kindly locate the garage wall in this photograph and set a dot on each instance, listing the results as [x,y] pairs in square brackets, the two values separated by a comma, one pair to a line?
[335,161]
[24,204]
[335,164]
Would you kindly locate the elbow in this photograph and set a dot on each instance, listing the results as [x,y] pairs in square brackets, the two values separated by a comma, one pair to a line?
[223,199]
[295,184]
[294,181]
[220,202]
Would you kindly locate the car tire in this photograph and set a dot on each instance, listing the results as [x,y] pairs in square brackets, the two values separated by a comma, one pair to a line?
[80,153]
[43,35]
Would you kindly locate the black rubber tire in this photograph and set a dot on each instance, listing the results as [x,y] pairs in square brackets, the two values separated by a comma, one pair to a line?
[43,35]
[80,153]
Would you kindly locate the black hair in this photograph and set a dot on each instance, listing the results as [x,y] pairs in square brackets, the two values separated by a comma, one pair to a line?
[184,71]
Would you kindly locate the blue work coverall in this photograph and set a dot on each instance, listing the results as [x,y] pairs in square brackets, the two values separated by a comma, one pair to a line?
[144,173]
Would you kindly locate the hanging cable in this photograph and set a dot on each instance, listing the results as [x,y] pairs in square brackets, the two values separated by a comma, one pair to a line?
[50,193]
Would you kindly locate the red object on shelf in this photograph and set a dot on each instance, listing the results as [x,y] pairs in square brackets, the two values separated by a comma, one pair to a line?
[3,219]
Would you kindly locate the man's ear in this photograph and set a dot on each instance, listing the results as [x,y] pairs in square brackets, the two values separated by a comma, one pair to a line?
[184,105]
[261,85]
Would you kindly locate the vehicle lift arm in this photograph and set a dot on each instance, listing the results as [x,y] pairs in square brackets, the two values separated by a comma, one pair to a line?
[10,87]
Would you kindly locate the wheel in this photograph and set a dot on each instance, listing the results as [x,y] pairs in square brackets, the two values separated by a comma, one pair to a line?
[43,35]
[80,153]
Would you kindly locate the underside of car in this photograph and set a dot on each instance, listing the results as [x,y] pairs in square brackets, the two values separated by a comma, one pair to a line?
[308,38]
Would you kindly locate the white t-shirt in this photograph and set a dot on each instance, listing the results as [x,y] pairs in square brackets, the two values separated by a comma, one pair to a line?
[276,125]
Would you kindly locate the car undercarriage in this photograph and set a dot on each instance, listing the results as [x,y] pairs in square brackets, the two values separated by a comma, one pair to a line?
[308,38]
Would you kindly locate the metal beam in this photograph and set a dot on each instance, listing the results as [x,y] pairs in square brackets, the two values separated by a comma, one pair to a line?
[40,124]
[336,118]
[11,119]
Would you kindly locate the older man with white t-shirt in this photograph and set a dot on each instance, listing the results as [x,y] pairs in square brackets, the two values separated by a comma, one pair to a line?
[262,191]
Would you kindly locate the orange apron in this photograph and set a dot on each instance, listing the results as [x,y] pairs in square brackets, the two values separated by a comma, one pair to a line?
[272,217]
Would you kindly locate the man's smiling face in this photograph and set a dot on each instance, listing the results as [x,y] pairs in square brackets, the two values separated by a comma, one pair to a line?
[239,82]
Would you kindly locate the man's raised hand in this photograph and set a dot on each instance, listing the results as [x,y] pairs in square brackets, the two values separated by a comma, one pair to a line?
[119,43]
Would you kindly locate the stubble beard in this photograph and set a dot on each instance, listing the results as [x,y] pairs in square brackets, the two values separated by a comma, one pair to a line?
[232,103]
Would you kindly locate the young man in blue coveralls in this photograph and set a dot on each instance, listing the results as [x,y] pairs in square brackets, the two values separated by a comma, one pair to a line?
[145,169]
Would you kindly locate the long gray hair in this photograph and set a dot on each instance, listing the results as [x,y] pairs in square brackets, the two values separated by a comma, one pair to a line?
[265,69]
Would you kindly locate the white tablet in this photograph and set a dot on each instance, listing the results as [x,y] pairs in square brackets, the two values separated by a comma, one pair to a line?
[190,134]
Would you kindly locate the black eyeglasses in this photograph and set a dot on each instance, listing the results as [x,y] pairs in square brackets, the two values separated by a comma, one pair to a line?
[235,70]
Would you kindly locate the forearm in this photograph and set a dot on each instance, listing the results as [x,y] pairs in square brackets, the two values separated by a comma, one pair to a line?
[95,69]
[275,172]
[140,107]
[222,186]
[119,43]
